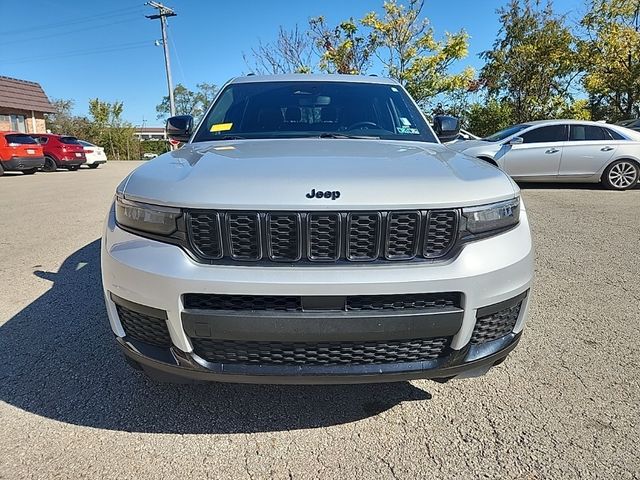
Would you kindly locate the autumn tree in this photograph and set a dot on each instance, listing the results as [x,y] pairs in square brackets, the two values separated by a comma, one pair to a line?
[533,64]
[291,52]
[412,54]
[610,54]
[111,131]
[63,122]
[188,102]
[343,48]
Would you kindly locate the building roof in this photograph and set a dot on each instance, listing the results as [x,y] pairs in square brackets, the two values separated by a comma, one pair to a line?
[149,129]
[23,95]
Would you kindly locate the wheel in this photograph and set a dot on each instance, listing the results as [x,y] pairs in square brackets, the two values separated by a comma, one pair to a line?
[94,165]
[49,165]
[621,175]
[1,169]
[29,171]
[73,168]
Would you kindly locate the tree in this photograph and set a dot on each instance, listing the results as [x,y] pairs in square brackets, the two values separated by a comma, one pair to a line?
[109,130]
[188,102]
[483,119]
[289,53]
[343,48]
[610,56]
[63,122]
[534,62]
[413,55]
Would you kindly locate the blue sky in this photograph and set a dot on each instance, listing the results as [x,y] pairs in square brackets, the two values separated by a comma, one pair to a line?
[81,49]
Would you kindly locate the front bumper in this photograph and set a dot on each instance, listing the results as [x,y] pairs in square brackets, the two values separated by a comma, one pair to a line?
[23,163]
[157,275]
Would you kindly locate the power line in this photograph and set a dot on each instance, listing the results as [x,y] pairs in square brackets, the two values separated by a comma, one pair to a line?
[163,13]
[78,53]
[70,32]
[99,16]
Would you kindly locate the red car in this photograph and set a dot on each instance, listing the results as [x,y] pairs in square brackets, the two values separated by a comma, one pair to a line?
[60,151]
[20,152]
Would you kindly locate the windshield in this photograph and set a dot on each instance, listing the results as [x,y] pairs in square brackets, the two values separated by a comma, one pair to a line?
[507,132]
[313,109]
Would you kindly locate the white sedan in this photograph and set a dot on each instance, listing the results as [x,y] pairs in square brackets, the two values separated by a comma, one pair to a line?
[95,155]
[562,151]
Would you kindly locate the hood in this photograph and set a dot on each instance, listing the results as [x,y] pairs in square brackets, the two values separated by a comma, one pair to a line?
[280,174]
[467,144]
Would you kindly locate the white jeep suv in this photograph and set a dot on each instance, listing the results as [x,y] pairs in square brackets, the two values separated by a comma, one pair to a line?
[312,229]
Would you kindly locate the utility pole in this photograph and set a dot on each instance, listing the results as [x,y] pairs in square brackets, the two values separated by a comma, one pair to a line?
[163,13]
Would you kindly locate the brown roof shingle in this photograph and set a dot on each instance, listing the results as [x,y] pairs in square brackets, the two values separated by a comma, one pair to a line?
[23,95]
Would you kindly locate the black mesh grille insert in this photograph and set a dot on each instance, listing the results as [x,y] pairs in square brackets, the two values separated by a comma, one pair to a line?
[206,234]
[284,237]
[324,242]
[436,301]
[324,353]
[496,325]
[440,232]
[144,327]
[244,235]
[402,235]
[241,302]
[363,241]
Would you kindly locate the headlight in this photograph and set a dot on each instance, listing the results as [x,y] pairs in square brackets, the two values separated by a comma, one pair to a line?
[495,216]
[146,218]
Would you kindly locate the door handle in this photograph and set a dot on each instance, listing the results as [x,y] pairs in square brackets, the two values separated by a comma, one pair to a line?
[552,150]
[606,149]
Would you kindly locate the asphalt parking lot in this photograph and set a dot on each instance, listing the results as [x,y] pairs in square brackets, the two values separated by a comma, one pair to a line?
[565,404]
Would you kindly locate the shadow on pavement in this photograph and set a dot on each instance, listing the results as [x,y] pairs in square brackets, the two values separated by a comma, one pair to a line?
[59,360]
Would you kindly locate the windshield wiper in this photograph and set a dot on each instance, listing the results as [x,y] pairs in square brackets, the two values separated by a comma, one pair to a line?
[342,135]
[230,137]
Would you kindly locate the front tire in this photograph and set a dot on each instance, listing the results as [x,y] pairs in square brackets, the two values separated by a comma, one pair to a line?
[93,165]
[73,168]
[621,175]
[30,171]
[49,165]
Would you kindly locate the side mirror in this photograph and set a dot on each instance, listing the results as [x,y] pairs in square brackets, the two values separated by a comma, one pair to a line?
[447,128]
[180,127]
[516,141]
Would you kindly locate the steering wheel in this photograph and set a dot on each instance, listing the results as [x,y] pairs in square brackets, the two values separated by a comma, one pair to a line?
[365,125]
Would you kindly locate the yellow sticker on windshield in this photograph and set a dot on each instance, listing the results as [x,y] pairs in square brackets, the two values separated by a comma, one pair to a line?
[221,127]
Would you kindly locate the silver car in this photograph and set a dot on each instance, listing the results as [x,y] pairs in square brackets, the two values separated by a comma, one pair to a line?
[313,229]
[562,151]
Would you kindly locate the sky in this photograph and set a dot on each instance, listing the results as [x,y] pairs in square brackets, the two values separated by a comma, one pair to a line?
[82,49]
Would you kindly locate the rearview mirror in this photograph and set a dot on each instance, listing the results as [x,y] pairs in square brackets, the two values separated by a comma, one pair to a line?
[447,128]
[180,127]
[516,141]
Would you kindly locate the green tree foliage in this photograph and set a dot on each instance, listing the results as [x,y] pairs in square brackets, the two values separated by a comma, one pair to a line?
[63,122]
[413,56]
[188,102]
[483,119]
[110,131]
[343,48]
[533,63]
[610,54]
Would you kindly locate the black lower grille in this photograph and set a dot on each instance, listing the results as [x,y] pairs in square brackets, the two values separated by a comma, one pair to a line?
[207,301]
[496,325]
[290,303]
[325,353]
[146,328]
[420,301]
[314,237]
